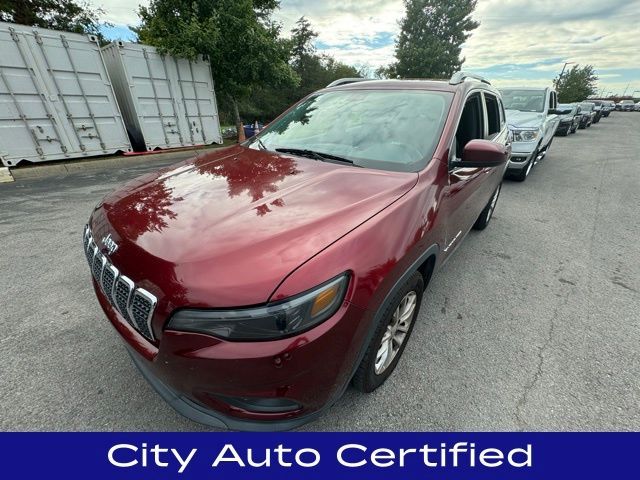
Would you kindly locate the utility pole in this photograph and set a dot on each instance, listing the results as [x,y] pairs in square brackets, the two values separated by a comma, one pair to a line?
[562,73]
[625,90]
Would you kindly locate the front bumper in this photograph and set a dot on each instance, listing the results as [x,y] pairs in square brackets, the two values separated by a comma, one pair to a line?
[520,154]
[219,383]
[564,128]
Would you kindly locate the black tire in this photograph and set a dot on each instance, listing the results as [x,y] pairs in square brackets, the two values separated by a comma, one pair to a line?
[487,212]
[366,379]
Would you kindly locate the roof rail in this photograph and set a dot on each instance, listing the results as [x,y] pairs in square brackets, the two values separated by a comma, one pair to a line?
[345,81]
[460,77]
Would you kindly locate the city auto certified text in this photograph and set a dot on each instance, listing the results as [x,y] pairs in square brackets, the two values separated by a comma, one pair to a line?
[352,455]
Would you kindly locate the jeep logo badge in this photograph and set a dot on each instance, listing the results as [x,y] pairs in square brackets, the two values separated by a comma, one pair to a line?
[109,244]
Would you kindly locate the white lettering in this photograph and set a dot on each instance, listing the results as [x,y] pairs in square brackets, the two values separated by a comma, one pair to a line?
[351,446]
[234,456]
[121,446]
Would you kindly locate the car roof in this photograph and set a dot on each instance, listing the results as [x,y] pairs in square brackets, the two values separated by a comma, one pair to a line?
[415,84]
[533,89]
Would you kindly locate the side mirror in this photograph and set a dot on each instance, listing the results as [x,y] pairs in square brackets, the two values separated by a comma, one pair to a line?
[553,111]
[483,154]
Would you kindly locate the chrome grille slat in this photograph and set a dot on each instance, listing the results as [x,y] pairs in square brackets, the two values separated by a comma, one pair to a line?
[122,296]
[108,281]
[98,264]
[136,305]
[141,310]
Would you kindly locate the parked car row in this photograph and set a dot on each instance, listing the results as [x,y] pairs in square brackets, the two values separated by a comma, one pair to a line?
[627,106]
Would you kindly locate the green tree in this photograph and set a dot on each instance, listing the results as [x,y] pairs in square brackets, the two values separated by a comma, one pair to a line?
[431,36]
[315,71]
[66,15]
[237,36]
[576,84]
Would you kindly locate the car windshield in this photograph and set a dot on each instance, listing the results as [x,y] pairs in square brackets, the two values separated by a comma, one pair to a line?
[565,108]
[386,129]
[587,106]
[523,100]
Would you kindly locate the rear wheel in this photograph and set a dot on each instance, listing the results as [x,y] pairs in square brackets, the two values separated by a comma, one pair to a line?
[391,336]
[487,212]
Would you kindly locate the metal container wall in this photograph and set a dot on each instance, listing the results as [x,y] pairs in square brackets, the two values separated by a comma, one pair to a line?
[165,101]
[56,100]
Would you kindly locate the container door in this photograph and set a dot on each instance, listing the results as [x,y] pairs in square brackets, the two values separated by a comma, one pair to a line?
[30,127]
[197,101]
[156,107]
[75,74]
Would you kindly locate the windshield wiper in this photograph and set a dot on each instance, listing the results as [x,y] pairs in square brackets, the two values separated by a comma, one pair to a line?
[303,152]
[261,144]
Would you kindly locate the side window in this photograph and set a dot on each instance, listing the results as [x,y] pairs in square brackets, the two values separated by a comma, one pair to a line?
[552,100]
[471,124]
[493,115]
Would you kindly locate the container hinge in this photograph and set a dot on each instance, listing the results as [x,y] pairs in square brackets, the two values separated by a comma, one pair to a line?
[64,41]
[145,54]
[38,38]
[40,151]
[14,34]
[63,148]
[83,147]
[103,146]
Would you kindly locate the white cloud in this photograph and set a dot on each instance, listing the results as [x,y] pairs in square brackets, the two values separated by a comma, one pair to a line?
[540,35]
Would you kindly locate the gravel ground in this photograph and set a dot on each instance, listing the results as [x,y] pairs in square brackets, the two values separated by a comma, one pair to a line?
[532,325]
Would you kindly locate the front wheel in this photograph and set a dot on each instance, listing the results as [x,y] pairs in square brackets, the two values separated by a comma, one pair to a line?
[391,336]
[487,212]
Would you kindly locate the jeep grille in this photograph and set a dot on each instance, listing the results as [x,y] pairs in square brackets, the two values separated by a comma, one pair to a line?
[136,305]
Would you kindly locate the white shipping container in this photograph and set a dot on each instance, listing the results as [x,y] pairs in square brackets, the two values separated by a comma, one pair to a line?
[56,100]
[165,101]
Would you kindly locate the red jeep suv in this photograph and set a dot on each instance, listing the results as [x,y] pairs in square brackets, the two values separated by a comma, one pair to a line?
[252,284]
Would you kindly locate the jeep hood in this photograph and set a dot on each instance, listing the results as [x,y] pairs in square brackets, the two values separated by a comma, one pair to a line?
[516,118]
[225,228]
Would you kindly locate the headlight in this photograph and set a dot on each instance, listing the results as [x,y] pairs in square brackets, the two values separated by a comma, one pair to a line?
[269,322]
[525,135]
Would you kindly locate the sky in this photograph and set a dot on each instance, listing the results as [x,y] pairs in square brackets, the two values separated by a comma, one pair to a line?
[519,42]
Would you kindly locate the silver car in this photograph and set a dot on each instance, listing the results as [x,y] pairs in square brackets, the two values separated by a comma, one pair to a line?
[532,117]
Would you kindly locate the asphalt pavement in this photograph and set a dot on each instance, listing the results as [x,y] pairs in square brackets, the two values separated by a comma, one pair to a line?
[534,324]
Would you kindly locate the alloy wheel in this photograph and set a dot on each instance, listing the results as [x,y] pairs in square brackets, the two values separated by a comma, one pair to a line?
[396,332]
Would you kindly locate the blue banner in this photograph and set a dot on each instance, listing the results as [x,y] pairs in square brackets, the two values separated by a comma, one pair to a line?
[310,456]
